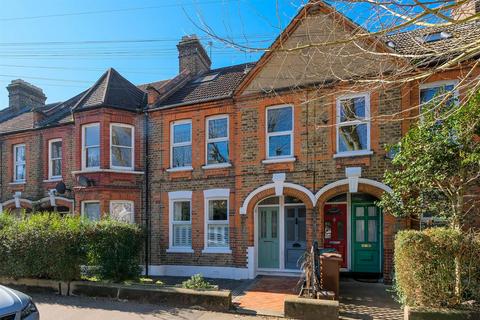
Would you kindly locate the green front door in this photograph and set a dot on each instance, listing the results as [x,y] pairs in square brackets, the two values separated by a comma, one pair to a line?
[268,244]
[366,238]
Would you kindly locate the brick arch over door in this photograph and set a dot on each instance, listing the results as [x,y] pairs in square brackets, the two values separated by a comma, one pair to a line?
[289,189]
[390,223]
[24,204]
[60,201]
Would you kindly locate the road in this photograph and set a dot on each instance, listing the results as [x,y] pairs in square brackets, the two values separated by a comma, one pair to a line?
[54,307]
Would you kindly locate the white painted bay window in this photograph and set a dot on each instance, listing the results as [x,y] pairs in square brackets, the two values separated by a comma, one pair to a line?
[91,210]
[55,159]
[181,145]
[279,123]
[217,140]
[180,216]
[19,163]
[353,125]
[91,146]
[217,238]
[121,210]
[121,146]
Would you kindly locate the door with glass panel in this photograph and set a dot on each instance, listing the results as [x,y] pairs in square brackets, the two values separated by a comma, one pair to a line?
[366,238]
[268,243]
[335,232]
[295,235]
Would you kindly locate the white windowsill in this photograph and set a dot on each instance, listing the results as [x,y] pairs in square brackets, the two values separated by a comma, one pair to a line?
[179,250]
[106,170]
[15,183]
[53,179]
[217,250]
[353,154]
[279,160]
[179,169]
[217,166]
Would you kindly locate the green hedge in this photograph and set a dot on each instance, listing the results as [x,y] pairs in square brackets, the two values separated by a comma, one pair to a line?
[49,246]
[425,267]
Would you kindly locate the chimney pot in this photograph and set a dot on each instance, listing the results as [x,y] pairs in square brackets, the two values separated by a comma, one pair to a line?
[23,94]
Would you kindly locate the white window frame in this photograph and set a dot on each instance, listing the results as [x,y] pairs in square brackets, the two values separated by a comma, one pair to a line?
[210,195]
[177,196]
[15,162]
[132,217]
[222,139]
[84,150]
[436,84]
[90,201]
[366,121]
[287,158]
[50,159]
[132,148]
[180,144]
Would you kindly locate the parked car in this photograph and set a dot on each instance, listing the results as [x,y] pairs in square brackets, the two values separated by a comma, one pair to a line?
[15,305]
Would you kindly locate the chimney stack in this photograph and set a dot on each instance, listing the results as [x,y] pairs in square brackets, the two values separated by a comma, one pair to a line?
[466,10]
[192,56]
[23,94]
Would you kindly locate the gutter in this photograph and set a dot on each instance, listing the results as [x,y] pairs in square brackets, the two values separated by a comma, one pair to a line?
[147,193]
[229,95]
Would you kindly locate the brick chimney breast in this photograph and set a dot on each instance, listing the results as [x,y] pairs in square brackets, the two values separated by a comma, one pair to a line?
[192,56]
[23,94]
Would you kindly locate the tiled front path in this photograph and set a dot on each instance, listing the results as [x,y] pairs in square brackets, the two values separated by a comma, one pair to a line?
[358,300]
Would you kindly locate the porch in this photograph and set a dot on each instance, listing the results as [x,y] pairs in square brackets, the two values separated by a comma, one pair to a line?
[265,295]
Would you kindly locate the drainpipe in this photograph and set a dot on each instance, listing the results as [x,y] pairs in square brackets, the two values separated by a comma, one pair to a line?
[147,192]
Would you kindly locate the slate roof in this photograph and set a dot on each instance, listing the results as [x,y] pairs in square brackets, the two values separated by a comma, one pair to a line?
[112,90]
[222,83]
[412,43]
[156,85]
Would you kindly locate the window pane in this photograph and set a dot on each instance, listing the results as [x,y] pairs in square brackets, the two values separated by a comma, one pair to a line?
[122,136]
[340,230]
[279,119]
[352,109]
[274,224]
[217,128]
[289,199]
[217,210]
[217,152]
[279,146]
[218,235]
[20,173]
[181,211]
[291,212]
[182,156]
[353,138]
[182,132]
[121,157]
[328,230]
[182,235]
[270,200]
[302,212]
[20,154]
[360,230]
[372,231]
[56,167]
[56,151]
[302,231]
[290,229]
[122,211]
[372,211]
[92,211]
[263,215]
[439,92]
[93,157]
[92,136]
[359,211]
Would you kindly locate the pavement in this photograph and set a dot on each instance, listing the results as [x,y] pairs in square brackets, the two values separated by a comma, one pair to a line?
[54,307]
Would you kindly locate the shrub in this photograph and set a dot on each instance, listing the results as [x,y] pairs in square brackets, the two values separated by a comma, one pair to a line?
[425,267]
[197,282]
[114,249]
[42,246]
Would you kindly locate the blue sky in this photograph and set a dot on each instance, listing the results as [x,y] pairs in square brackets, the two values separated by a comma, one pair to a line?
[64,46]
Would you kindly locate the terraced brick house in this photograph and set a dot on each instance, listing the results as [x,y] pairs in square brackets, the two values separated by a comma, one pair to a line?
[234,171]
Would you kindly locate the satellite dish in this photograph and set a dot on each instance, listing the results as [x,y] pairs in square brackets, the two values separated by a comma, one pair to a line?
[84,181]
[61,187]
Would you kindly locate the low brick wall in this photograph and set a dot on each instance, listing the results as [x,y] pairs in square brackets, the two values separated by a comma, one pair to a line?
[439,314]
[314,309]
[220,300]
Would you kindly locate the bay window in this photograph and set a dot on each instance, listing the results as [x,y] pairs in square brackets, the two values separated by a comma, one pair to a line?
[91,146]
[121,146]
[217,140]
[279,123]
[19,163]
[55,159]
[353,125]
[122,211]
[181,144]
